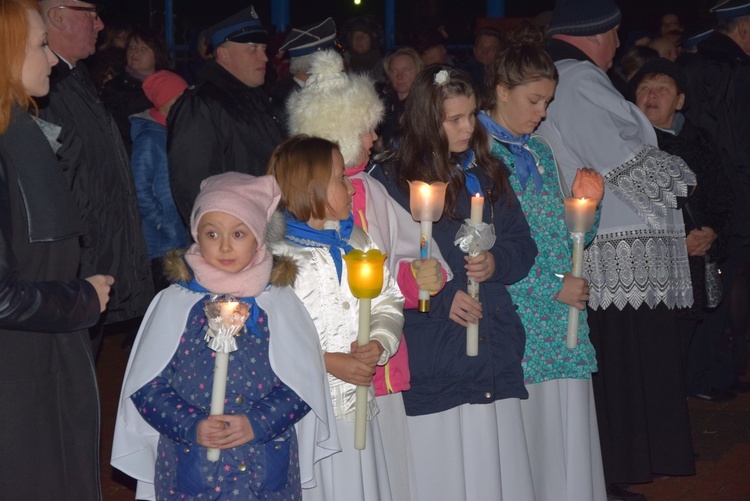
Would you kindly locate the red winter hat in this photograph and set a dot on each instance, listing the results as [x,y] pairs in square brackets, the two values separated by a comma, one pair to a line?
[162,86]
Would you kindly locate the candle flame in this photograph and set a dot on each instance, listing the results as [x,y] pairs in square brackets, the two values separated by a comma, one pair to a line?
[477,195]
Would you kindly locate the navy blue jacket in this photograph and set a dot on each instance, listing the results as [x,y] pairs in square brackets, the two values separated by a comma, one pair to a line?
[442,376]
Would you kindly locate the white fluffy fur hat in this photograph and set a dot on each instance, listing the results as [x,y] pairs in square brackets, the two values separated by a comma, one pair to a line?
[335,106]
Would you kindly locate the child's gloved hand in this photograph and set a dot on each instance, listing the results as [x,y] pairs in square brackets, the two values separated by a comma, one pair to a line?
[428,273]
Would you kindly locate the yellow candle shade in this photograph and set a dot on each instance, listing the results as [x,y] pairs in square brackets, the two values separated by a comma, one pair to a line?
[365,272]
[427,200]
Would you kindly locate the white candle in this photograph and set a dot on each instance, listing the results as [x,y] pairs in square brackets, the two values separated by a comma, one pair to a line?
[579,218]
[579,214]
[472,339]
[472,331]
[218,392]
[360,406]
[425,252]
[477,208]
[426,202]
[577,271]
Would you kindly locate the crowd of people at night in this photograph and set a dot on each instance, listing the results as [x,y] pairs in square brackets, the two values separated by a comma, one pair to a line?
[216,210]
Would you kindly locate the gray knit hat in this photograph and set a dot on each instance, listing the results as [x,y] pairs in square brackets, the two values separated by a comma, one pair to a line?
[584,17]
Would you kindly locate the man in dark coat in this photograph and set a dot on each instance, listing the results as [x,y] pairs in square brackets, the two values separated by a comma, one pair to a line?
[487,45]
[95,160]
[226,122]
[719,89]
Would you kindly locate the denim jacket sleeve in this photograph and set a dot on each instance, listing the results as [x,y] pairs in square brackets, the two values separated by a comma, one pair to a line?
[176,418]
[275,413]
[167,412]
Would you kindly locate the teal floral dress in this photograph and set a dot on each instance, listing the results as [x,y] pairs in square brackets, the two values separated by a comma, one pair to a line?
[546,355]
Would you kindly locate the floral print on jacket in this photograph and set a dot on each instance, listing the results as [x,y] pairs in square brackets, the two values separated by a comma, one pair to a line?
[546,355]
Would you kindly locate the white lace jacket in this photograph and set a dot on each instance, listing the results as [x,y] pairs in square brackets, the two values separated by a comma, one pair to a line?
[335,311]
[639,255]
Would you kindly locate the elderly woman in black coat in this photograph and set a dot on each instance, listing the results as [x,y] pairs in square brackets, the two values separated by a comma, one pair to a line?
[50,408]
[659,89]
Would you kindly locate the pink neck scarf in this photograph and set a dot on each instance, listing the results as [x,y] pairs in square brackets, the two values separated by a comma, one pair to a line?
[248,282]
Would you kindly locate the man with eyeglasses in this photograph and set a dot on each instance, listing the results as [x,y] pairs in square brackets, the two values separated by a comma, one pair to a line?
[226,122]
[73,28]
[93,156]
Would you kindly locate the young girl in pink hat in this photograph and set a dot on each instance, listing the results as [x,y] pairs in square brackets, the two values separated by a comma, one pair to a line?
[163,427]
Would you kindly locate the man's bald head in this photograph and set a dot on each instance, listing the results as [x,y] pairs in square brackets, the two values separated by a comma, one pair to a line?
[72,28]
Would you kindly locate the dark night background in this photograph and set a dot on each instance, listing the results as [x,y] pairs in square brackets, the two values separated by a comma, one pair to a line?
[458,16]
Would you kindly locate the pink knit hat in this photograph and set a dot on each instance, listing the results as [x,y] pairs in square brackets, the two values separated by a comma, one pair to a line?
[253,201]
[162,86]
[250,199]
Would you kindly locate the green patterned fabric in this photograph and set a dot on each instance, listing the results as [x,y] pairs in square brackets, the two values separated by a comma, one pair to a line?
[546,321]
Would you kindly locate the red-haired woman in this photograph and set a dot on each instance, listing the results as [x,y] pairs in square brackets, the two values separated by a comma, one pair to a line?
[50,410]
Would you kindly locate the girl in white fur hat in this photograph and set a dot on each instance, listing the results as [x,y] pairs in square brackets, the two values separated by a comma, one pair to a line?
[345,108]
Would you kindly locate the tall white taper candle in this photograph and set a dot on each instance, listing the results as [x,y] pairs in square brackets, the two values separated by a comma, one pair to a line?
[577,271]
[360,409]
[472,331]
[218,393]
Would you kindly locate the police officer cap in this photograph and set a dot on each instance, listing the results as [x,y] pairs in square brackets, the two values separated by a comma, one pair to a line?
[242,27]
[308,39]
[728,9]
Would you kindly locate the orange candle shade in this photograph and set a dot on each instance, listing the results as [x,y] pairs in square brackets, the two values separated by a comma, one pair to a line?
[365,272]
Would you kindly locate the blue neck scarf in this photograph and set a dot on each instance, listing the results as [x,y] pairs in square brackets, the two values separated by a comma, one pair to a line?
[335,241]
[466,163]
[525,163]
[251,321]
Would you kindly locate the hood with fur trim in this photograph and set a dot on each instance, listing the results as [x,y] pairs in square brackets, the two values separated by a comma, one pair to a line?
[283,273]
[336,106]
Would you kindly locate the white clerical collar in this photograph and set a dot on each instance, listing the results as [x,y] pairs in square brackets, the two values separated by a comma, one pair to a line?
[70,66]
